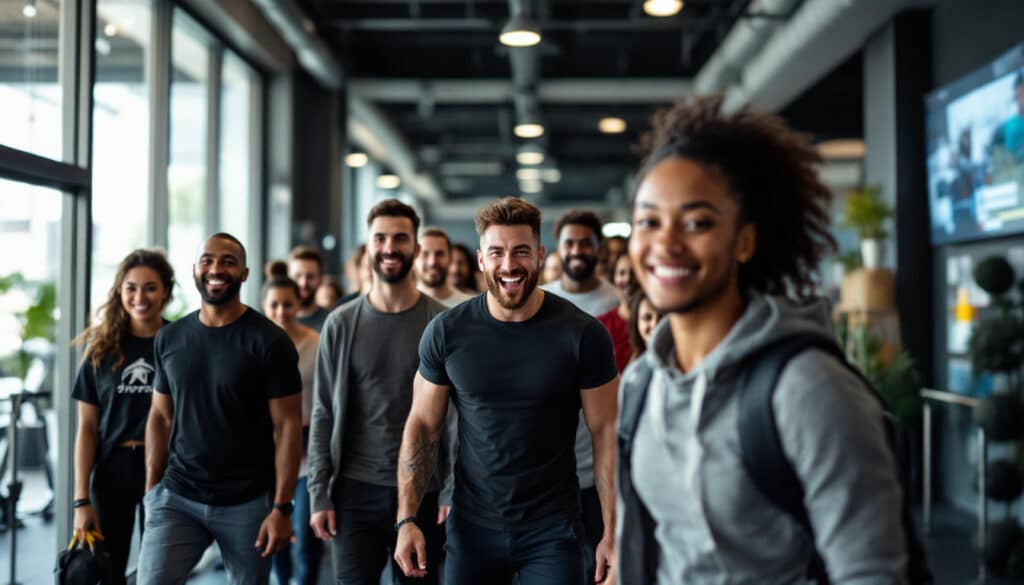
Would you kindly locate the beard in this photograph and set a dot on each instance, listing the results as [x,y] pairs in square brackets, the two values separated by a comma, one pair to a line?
[434,277]
[307,298]
[582,273]
[231,289]
[403,270]
[504,299]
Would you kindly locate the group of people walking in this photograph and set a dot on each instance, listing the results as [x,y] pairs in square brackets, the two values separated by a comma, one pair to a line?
[488,435]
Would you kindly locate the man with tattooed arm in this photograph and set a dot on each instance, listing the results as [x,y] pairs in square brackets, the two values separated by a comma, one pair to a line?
[517,364]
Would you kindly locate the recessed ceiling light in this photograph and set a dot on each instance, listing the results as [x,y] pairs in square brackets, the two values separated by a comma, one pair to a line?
[29,10]
[519,32]
[388,181]
[530,174]
[843,149]
[531,186]
[616,229]
[611,125]
[530,154]
[662,7]
[529,130]
[110,29]
[356,159]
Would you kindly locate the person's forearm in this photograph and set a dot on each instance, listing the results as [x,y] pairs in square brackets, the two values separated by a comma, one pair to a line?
[604,474]
[287,453]
[158,434]
[417,463]
[85,458]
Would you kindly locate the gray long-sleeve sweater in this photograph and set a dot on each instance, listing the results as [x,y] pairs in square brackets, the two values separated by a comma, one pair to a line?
[688,511]
[330,408]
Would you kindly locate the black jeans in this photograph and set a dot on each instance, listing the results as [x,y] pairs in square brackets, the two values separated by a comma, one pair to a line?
[365,542]
[118,484]
[544,555]
[593,530]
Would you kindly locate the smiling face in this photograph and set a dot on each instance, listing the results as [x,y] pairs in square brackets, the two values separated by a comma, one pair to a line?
[281,305]
[578,247]
[433,260]
[688,241]
[510,258]
[459,268]
[622,276]
[392,247]
[646,319]
[143,294]
[220,271]
[307,274]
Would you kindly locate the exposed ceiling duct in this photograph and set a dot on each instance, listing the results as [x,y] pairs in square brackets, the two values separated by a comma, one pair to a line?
[368,125]
[643,90]
[801,51]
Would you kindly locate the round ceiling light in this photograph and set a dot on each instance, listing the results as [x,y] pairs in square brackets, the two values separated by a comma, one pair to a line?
[662,7]
[611,125]
[388,181]
[530,154]
[356,159]
[519,32]
[529,130]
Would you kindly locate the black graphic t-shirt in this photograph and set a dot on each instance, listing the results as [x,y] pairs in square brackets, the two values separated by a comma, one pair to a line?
[123,394]
[516,387]
[221,380]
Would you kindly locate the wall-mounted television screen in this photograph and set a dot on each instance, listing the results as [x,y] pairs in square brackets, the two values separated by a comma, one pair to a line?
[975,144]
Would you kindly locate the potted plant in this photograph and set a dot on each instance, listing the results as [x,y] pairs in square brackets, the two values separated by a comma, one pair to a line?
[866,212]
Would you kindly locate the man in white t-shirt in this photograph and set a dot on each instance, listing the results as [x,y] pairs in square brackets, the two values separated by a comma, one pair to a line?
[432,267]
[579,239]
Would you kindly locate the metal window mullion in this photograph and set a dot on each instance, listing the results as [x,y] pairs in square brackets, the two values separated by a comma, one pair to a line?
[159,68]
[213,137]
[257,192]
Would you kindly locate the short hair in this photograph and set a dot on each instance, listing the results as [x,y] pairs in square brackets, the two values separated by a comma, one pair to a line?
[509,211]
[304,252]
[583,217]
[436,232]
[231,238]
[394,208]
[771,172]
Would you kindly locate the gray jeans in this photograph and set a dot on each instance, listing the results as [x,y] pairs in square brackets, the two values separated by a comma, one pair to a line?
[178,530]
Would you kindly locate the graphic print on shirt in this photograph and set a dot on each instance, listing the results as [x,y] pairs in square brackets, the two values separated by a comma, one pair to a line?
[136,378]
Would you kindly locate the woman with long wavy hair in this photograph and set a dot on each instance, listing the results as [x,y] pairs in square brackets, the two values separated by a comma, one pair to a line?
[113,390]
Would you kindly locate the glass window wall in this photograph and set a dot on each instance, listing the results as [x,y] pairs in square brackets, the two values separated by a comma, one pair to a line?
[121,140]
[239,82]
[31,98]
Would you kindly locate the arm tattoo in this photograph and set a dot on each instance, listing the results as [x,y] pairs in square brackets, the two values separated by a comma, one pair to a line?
[421,465]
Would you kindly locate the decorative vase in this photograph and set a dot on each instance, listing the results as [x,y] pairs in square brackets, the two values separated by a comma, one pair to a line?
[872,252]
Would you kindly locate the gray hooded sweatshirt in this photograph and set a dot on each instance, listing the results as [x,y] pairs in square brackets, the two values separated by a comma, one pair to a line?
[688,511]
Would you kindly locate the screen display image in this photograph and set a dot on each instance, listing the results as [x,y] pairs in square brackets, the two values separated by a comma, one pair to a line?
[975,141]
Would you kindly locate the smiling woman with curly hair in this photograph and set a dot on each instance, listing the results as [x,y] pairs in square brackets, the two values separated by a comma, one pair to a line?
[730,221]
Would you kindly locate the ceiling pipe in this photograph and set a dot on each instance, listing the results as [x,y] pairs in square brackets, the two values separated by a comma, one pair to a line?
[747,36]
[815,40]
[368,125]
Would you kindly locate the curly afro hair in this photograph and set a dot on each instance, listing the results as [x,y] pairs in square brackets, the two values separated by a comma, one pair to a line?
[770,170]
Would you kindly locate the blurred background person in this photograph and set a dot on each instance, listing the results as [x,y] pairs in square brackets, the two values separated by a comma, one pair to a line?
[643,317]
[280,303]
[552,268]
[463,270]
[329,293]
[432,265]
[616,320]
[306,268]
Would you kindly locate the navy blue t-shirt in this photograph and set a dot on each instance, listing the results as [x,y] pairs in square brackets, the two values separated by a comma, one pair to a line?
[516,387]
[221,380]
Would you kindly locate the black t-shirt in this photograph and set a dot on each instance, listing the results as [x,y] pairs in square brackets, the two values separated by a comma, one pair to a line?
[516,387]
[123,394]
[221,380]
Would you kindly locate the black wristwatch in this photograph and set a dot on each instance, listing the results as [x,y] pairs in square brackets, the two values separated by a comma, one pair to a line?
[404,521]
[284,508]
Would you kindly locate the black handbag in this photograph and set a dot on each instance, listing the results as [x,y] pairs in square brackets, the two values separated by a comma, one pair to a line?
[84,562]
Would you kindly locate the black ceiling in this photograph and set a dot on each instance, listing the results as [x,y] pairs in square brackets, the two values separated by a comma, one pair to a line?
[599,40]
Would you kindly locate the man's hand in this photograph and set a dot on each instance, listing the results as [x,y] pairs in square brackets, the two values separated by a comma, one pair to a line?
[410,542]
[604,558]
[323,524]
[275,533]
[86,519]
[442,513]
